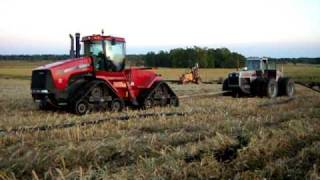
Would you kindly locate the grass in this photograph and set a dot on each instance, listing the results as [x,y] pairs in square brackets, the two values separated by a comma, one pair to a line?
[225,138]
[303,72]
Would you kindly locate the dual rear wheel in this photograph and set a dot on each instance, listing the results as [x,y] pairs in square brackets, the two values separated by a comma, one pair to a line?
[271,88]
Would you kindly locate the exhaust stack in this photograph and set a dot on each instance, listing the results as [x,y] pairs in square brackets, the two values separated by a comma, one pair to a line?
[78,46]
[71,46]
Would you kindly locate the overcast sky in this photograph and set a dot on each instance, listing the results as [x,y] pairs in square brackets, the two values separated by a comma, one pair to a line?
[278,28]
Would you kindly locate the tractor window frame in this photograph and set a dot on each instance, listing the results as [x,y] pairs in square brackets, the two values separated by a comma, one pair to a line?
[253,65]
[114,59]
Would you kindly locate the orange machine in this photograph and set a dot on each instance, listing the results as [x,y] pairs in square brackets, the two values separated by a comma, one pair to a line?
[192,76]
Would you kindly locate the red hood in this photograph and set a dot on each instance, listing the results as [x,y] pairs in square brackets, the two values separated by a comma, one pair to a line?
[64,63]
[61,71]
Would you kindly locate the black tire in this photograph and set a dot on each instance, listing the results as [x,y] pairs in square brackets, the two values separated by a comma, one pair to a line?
[44,105]
[236,93]
[116,105]
[225,85]
[81,107]
[286,87]
[257,87]
[271,89]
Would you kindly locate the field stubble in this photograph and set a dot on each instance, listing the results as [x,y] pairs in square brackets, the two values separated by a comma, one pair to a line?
[226,137]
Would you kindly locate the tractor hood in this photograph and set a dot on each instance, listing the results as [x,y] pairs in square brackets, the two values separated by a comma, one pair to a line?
[61,71]
[243,74]
[65,63]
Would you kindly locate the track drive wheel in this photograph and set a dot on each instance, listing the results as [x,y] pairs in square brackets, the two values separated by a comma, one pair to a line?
[116,105]
[271,88]
[97,92]
[225,85]
[81,107]
[148,103]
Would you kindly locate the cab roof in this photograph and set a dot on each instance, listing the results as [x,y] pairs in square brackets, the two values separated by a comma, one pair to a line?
[98,37]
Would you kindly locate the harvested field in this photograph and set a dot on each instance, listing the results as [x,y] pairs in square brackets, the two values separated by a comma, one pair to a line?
[218,138]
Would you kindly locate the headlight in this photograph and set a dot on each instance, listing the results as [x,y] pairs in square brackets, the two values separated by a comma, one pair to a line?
[44,91]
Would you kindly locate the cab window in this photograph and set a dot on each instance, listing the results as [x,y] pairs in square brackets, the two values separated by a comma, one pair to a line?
[115,52]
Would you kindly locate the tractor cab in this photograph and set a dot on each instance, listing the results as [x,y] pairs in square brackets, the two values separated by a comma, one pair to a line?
[108,52]
[259,64]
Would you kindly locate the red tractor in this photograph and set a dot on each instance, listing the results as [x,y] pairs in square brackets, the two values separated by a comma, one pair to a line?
[98,80]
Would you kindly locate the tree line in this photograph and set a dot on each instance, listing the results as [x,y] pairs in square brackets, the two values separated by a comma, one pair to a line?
[36,57]
[303,60]
[187,57]
[177,58]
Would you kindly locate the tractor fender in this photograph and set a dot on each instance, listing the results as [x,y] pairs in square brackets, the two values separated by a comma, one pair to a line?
[155,81]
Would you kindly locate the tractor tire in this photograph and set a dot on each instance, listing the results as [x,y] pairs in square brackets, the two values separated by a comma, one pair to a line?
[81,107]
[225,85]
[257,87]
[271,89]
[286,87]
[44,105]
[116,105]
[236,93]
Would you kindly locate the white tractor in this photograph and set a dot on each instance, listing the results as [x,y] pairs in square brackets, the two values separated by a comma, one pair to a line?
[260,77]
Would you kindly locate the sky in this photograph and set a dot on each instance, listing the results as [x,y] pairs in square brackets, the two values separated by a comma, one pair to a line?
[274,28]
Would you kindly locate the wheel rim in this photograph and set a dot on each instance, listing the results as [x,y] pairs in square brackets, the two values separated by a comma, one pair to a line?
[290,89]
[82,108]
[116,106]
[272,90]
[96,92]
[148,103]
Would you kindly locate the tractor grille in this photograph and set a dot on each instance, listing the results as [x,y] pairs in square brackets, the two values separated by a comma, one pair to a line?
[233,80]
[41,79]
